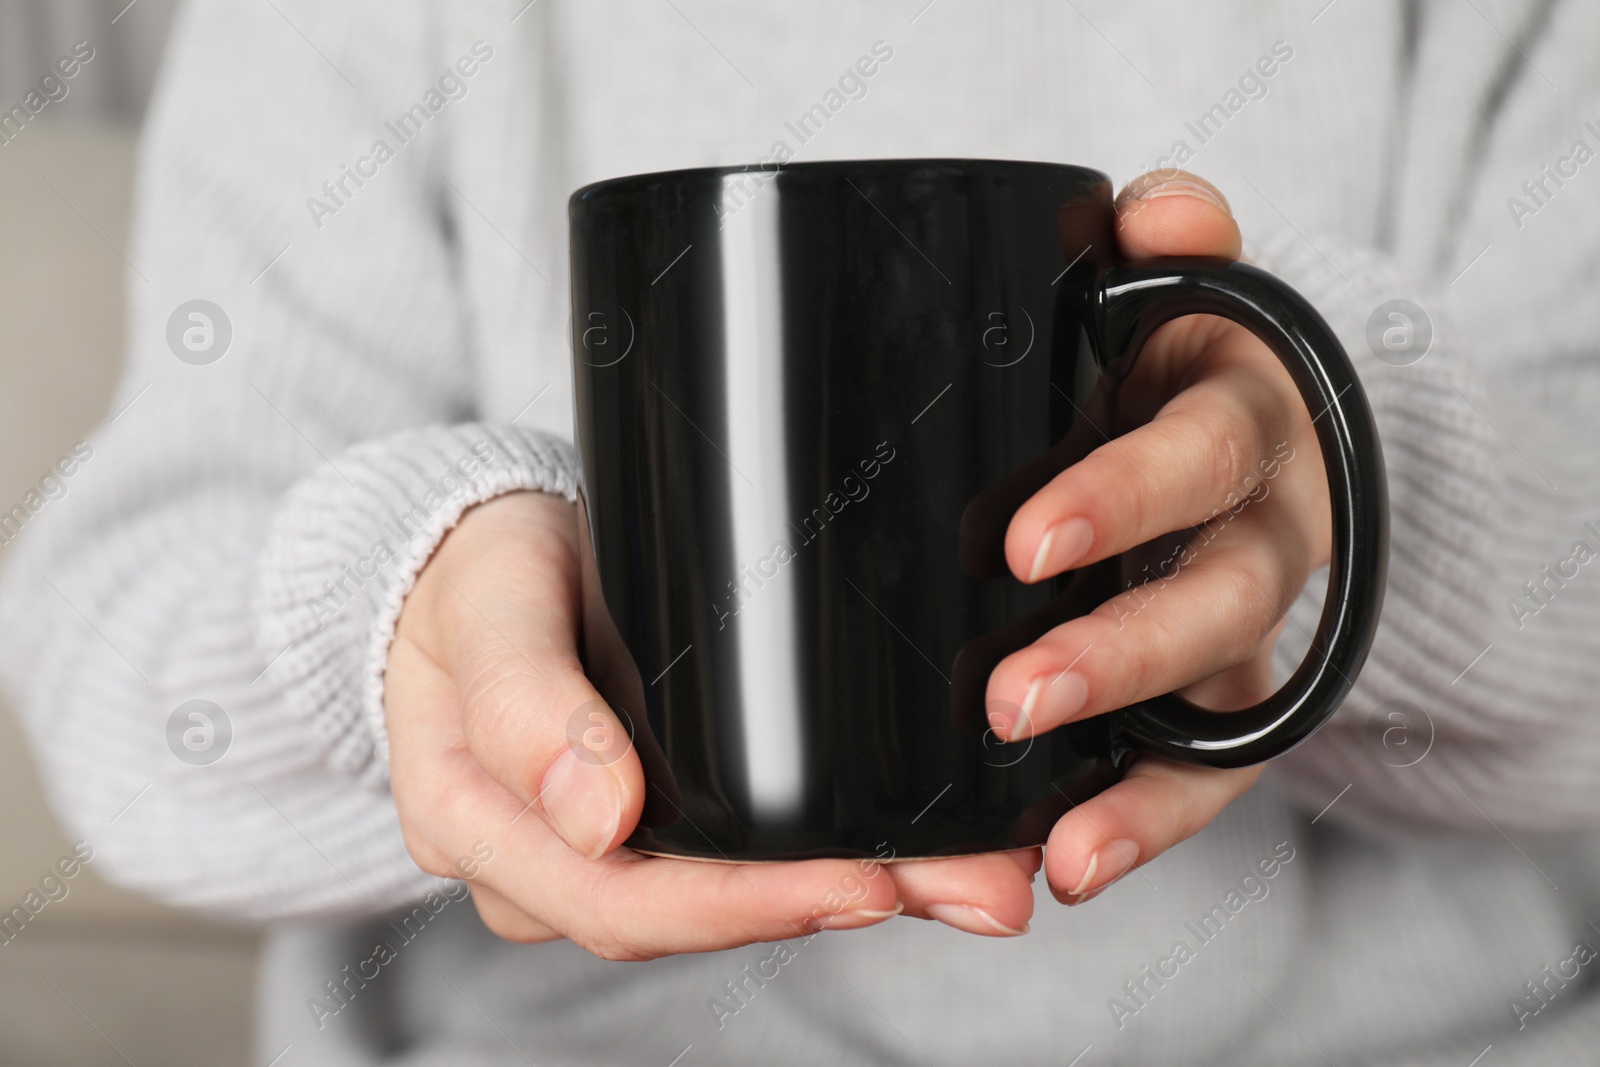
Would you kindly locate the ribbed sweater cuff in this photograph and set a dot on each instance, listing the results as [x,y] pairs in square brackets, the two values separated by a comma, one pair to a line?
[347,545]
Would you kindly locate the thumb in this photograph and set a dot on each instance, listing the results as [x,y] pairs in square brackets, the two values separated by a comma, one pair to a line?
[529,714]
[1175,213]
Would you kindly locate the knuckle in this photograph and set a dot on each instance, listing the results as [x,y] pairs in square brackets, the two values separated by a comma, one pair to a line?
[1254,602]
[456,808]
[1131,622]
[497,719]
[1145,663]
[509,920]
[1120,611]
[502,925]
[1136,634]
[436,798]
[608,947]
[600,935]
[430,859]
[492,918]
[1177,805]
[1202,802]
[487,683]
[1113,476]
[1230,448]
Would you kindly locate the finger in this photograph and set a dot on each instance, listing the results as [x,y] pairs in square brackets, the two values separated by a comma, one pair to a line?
[1175,213]
[623,905]
[529,714]
[1029,860]
[547,736]
[988,895]
[1215,605]
[630,906]
[427,754]
[507,921]
[1156,806]
[1240,686]
[1209,448]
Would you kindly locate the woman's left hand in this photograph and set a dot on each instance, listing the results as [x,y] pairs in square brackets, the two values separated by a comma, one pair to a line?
[1225,425]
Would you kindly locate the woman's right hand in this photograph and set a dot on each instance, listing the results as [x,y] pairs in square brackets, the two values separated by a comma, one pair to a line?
[482,681]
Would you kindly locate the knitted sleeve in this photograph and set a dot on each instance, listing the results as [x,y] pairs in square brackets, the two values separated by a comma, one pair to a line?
[195,632]
[1474,331]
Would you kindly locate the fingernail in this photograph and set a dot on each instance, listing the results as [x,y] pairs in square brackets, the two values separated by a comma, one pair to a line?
[853,920]
[1106,865]
[1041,558]
[1025,714]
[1183,188]
[973,920]
[1065,693]
[1072,900]
[584,802]
[1154,187]
[1063,545]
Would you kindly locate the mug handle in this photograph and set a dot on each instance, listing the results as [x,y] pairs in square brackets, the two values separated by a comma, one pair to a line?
[1130,302]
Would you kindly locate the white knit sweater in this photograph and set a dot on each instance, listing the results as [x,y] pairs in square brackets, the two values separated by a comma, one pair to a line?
[245,529]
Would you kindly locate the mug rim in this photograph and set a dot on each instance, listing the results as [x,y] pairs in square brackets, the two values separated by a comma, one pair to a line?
[626,183]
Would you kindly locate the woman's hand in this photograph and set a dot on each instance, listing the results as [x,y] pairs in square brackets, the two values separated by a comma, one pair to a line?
[482,687]
[1219,422]
[484,677]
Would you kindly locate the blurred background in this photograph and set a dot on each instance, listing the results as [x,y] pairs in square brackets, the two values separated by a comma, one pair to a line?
[101,976]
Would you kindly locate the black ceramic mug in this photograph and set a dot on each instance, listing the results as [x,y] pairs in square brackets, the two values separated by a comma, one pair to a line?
[808,402]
